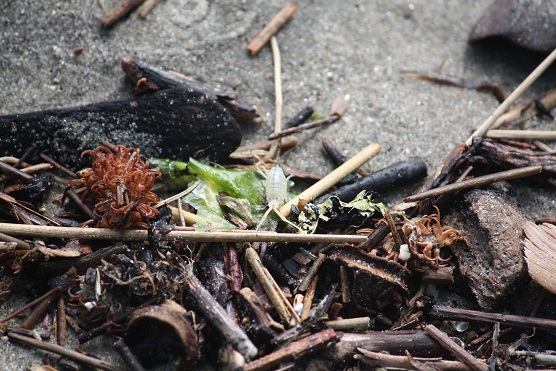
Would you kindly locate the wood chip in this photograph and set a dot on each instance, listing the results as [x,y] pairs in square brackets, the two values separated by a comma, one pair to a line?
[540,254]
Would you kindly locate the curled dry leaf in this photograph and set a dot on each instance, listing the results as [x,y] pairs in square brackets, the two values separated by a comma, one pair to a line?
[530,24]
[540,254]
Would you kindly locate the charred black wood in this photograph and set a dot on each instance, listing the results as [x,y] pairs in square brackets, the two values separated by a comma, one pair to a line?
[395,175]
[157,79]
[176,123]
[337,158]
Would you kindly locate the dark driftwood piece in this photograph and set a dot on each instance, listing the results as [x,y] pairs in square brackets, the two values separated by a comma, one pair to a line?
[395,175]
[158,79]
[418,343]
[174,123]
[217,316]
[455,314]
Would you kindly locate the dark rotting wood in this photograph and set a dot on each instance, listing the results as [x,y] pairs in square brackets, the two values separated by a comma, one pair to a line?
[300,117]
[175,123]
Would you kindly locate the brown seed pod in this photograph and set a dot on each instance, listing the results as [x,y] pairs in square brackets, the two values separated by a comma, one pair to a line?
[160,334]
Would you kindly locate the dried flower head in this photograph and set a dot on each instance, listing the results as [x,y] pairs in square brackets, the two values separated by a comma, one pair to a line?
[119,186]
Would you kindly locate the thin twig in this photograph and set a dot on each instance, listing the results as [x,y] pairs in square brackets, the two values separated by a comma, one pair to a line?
[455,349]
[292,351]
[131,361]
[279,20]
[277,60]
[380,359]
[300,128]
[311,273]
[177,196]
[71,354]
[485,126]
[193,236]
[266,282]
[334,177]
[52,292]
[120,11]
[456,314]
[477,182]
[350,324]
[15,172]
[61,322]
[58,166]
[28,170]
[547,135]
[308,298]
[146,8]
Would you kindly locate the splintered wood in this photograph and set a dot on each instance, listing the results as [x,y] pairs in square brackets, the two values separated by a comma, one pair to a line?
[540,249]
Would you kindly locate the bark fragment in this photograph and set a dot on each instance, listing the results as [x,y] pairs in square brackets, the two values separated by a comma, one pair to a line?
[490,257]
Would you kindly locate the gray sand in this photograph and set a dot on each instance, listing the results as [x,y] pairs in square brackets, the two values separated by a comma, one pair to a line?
[330,48]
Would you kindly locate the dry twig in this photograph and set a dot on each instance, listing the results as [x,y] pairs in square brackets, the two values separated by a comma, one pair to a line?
[279,20]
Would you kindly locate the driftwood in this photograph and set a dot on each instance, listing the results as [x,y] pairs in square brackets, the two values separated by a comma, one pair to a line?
[174,123]
[395,175]
[418,343]
[151,78]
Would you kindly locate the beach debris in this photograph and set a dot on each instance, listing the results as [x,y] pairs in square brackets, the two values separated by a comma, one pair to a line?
[489,255]
[272,28]
[148,78]
[174,123]
[539,247]
[529,24]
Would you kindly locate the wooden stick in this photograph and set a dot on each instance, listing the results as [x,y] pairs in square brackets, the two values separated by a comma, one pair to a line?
[193,236]
[217,316]
[311,273]
[334,177]
[302,127]
[15,172]
[456,314]
[28,170]
[130,359]
[547,135]
[485,126]
[146,8]
[64,352]
[50,293]
[61,322]
[292,351]
[279,20]
[120,11]
[379,359]
[269,288]
[477,182]
[308,298]
[543,147]
[351,324]
[455,349]
[277,60]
